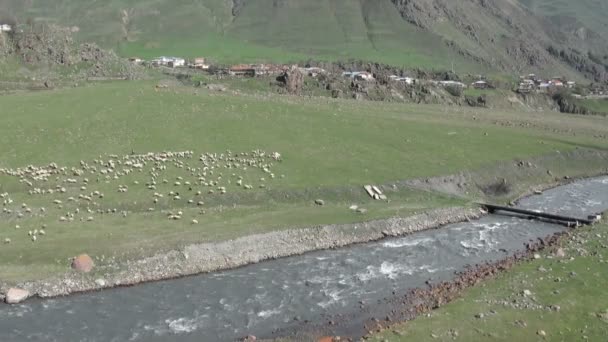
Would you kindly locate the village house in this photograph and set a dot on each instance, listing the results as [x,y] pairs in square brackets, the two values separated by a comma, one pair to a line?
[364,76]
[312,71]
[556,82]
[544,87]
[242,70]
[359,75]
[450,84]
[136,60]
[406,80]
[526,86]
[172,62]
[570,84]
[199,63]
[5,28]
[480,85]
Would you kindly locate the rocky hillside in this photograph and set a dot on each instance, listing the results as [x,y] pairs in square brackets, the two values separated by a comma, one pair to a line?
[517,36]
[53,50]
[506,34]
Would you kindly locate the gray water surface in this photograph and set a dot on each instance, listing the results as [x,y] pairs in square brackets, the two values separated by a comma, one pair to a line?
[280,295]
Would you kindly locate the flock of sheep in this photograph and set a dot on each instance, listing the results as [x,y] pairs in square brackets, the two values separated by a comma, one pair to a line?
[77,193]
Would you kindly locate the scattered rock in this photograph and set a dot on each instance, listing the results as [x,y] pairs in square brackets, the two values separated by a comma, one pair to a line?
[541,333]
[537,256]
[527,293]
[603,316]
[100,282]
[320,202]
[83,263]
[480,316]
[560,253]
[15,295]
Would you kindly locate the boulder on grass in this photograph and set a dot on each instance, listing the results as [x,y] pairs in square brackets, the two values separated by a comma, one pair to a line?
[83,263]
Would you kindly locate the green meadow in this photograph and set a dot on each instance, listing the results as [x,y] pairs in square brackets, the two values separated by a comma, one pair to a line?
[328,150]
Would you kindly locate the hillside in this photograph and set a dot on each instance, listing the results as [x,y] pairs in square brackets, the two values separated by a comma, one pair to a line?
[512,36]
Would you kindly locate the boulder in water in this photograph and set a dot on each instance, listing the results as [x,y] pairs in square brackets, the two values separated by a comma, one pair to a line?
[15,295]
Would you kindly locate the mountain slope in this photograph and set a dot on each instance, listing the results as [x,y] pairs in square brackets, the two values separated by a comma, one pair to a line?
[515,36]
[362,29]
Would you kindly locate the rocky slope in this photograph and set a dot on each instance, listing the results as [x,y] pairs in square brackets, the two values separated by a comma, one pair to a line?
[505,34]
[51,47]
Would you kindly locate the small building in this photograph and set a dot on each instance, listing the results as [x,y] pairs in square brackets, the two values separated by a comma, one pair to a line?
[556,82]
[406,80]
[313,71]
[176,62]
[526,86]
[199,63]
[363,76]
[172,62]
[570,84]
[242,70]
[451,84]
[359,75]
[136,60]
[5,28]
[480,85]
[544,87]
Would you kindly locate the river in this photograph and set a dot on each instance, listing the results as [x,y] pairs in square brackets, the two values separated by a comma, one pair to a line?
[289,294]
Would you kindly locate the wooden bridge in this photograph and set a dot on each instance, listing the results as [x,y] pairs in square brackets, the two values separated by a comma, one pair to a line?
[531,214]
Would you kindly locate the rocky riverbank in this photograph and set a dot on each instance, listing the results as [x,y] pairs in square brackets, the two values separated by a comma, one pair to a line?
[210,257]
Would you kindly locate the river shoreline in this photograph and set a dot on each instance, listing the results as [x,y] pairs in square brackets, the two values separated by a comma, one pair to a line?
[212,257]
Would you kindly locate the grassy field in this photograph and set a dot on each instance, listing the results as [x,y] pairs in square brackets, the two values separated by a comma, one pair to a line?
[549,299]
[97,134]
[597,106]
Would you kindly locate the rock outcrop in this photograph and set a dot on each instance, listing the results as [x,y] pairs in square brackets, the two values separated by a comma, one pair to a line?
[293,80]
